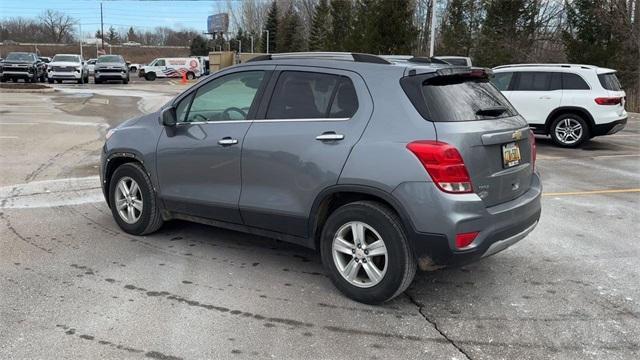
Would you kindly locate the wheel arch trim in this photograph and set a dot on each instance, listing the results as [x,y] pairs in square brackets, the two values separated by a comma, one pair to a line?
[328,193]
[569,109]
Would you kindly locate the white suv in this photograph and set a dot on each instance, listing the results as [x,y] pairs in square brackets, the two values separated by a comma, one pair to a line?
[571,103]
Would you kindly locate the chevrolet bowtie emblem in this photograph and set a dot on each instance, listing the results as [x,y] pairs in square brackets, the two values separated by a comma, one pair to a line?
[517,135]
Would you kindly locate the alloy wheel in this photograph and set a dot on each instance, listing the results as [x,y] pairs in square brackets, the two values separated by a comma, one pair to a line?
[569,131]
[360,254]
[128,200]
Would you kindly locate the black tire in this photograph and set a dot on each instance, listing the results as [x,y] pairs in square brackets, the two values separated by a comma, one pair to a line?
[150,219]
[125,81]
[15,80]
[81,80]
[50,80]
[59,81]
[150,76]
[33,80]
[401,266]
[2,79]
[561,122]
[190,75]
[42,78]
[96,81]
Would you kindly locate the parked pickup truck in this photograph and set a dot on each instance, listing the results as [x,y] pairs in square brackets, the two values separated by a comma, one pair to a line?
[22,65]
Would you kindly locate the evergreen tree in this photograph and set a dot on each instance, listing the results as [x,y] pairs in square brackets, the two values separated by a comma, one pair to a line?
[199,46]
[341,33]
[319,39]
[290,36]
[598,29]
[112,35]
[456,37]
[394,31]
[271,24]
[131,35]
[507,32]
[588,37]
[243,38]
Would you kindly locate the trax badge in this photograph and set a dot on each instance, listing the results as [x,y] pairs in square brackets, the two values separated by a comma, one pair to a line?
[517,135]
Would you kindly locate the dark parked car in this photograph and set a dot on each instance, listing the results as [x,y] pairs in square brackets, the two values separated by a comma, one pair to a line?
[22,65]
[382,167]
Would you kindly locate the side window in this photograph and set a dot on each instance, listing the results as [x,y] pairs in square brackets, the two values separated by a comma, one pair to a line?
[502,80]
[532,81]
[226,98]
[183,107]
[573,82]
[303,95]
[345,103]
[159,63]
[555,81]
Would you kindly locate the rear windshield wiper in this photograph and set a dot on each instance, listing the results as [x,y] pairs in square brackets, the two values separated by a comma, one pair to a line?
[492,111]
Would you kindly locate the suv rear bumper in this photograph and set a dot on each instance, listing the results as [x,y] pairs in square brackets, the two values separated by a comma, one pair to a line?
[499,226]
[609,128]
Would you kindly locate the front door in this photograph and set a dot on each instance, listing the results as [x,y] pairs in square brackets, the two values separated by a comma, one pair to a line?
[298,145]
[199,158]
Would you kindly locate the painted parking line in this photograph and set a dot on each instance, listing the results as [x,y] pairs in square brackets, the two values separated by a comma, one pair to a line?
[592,192]
[549,157]
[9,137]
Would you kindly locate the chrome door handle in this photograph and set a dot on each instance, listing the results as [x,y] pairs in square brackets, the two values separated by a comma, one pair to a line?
[330,136]
[227,141]
[545,98]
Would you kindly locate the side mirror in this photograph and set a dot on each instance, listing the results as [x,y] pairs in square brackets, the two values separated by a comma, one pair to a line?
[168,116]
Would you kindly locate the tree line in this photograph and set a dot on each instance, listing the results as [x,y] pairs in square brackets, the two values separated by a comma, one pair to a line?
[56,27]
[492,32]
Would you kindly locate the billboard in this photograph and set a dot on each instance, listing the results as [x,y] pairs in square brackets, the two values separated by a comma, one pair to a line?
[218,23]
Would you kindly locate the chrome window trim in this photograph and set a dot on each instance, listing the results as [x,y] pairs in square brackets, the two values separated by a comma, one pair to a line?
[259,120]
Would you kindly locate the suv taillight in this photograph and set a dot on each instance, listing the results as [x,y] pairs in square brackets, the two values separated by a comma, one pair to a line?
[608,100]
[534,150]
[444,164]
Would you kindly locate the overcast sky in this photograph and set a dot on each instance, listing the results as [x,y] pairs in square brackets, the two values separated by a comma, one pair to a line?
[141,14]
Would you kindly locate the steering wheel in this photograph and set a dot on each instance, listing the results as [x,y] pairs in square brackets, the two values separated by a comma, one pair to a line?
[199,117]
[225,114]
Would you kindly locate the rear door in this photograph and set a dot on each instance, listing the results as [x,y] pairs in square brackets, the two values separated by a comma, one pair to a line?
[309,124]
[494,141]
[535,94]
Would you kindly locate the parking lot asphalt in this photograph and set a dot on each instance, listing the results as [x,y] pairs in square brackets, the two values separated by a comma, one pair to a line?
[73,285]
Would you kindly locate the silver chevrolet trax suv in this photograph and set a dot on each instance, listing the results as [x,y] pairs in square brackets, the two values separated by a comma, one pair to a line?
[381,166]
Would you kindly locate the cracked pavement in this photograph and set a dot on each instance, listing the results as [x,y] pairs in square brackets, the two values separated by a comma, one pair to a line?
[75,286]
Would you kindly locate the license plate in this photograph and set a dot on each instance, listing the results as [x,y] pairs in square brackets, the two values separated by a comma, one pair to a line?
[510,155]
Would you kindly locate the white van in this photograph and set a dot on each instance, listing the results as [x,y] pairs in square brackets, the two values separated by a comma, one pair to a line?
[171,67]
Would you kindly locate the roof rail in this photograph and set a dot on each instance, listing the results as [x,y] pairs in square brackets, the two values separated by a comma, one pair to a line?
[546,65]
[415,59]
[357,57]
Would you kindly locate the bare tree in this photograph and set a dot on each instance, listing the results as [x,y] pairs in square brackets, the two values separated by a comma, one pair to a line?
[57,26]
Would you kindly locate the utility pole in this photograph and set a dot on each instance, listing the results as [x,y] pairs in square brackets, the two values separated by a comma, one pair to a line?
[267,31]
[432,39]
[252,44]
[80,26]
[101,27]
[239,46]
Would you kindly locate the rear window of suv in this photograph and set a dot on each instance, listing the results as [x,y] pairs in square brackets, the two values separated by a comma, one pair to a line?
[610,81]
[457,98]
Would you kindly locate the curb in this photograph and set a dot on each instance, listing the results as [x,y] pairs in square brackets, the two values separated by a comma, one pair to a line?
[27,90]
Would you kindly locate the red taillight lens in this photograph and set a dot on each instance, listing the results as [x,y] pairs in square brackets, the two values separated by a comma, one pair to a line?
[608,100]
[534,149]
[444,164]
[465,239]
